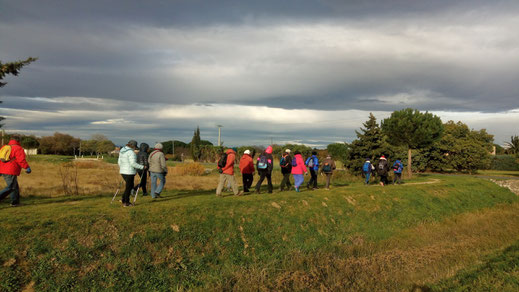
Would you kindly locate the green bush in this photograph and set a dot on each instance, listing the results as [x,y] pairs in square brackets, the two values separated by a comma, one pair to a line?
[504,162]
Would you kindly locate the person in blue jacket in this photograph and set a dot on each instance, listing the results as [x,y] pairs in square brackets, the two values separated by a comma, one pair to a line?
[367,169]
[398,167]
[313,164]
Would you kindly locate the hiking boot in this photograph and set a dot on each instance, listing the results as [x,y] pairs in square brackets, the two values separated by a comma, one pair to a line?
[297,189]
[239,194]
[145,194]
[128,205]
[158,195]
[257,192]
[15,205]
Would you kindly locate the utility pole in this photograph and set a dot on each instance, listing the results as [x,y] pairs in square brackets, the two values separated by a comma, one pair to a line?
[173,147]
[219,135]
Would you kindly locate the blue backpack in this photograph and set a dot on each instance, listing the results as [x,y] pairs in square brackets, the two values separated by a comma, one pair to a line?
[282,162]
[262,162]
[366,167]
[294,162]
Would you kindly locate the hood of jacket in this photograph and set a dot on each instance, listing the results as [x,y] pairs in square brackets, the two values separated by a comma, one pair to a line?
[144,147]
[13,142]
[230,151]
[125,149]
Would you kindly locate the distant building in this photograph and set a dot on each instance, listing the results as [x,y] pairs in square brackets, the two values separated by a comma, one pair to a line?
[33,151]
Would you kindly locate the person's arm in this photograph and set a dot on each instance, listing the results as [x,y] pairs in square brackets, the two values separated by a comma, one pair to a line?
[20,158]
[163,165]
[133,161]
[230,162]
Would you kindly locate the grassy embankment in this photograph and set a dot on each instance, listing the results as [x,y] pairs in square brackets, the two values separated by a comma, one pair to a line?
[353,237]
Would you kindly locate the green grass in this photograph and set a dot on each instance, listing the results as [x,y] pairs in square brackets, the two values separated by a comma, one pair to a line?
[85,243]
[499,272]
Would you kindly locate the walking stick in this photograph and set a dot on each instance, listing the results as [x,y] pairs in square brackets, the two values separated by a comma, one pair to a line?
[138,187]
[116,192]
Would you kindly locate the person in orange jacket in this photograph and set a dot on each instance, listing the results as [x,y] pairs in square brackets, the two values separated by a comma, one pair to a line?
[227,174]
[11,169]
[247,170]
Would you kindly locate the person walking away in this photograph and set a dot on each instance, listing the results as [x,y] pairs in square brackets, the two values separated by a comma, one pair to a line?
[226,170]
[367,169]
[247,170]
[127,168]
[382,170]
[158,170]
[286,170]
[398,167]
[12,162]
[313,164]
[328,168]
[298,169]
[142,158]
[264,165]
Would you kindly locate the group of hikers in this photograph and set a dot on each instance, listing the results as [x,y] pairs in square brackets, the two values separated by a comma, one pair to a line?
[295,166]
[132,162]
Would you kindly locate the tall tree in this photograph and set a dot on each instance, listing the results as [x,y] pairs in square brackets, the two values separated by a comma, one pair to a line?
[196,145]
[370,143]
[12,68]
[412,129]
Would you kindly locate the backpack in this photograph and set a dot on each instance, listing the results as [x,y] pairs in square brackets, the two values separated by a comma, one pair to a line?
[327,167]
[311,162]
[366,167]
[294,162]
[397,166]
[223,161]
[262,162]
[282,162]
[5,153]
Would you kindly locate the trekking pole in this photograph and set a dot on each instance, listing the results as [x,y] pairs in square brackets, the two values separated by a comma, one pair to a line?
[138,187]
[117,191]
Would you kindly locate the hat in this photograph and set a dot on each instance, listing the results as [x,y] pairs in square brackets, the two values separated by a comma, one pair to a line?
[287,150]
[246,151]
[382,157]
[158,146]
[268,150]
[132,143]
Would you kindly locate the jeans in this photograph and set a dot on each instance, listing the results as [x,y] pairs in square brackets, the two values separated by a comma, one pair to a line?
[313,180]
[298,180]
[156,190]
[264,174]
[397,178]
[224,180]
[285,181]
[128,179]
[247,181]
[11,188]
[368,175]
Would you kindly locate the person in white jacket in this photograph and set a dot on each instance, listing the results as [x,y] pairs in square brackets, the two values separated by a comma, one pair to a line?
[127,168]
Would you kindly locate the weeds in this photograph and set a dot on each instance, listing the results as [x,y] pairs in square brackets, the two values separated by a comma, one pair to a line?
[69,178]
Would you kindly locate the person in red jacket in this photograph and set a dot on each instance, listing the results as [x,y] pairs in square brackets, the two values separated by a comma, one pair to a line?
[11,169]
[227,174]
[247,170]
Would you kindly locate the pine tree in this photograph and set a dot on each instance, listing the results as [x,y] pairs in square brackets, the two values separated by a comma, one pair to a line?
[370,143]
[12,68]
[195,145]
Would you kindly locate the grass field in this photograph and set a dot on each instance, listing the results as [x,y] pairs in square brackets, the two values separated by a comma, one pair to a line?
[434,232]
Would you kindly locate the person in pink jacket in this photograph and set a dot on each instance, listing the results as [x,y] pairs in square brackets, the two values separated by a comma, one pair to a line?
[298,170]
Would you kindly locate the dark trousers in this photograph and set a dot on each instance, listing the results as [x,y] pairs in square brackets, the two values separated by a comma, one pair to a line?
[285,182]
[397,178]
[247,181]
[12,188]
[264,174]
[313,179]
[128,180]
[143,174]
[383,178]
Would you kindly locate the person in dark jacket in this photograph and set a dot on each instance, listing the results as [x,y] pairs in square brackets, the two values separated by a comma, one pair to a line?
[11,169]
[328,168]
[286,170]
[247,170]
[313,164]
[382,170]
[142,158]
[264,165]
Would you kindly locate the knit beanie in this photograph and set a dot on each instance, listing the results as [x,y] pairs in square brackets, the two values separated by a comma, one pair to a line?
[268,150]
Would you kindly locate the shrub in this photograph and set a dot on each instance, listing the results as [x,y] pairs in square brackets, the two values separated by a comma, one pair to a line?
[504,162]
[194,168]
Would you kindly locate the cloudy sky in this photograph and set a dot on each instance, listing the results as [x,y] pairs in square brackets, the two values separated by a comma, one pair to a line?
[291,71]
